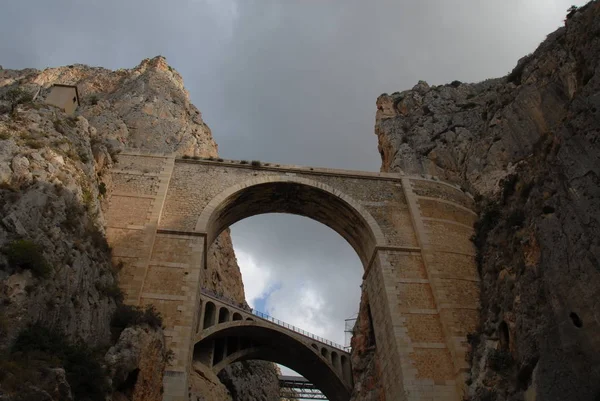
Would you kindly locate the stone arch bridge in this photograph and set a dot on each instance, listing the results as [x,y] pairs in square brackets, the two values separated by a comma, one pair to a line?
[412,235]
[226,333]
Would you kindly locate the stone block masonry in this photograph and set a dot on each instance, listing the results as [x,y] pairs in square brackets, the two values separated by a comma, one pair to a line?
[411,234]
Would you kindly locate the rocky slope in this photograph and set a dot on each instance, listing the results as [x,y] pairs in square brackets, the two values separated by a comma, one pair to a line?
[365,367]
[54,179]
[57,284]
[527,145]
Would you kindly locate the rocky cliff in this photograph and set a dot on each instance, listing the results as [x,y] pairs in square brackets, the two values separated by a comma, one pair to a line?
[54,182]
[527,146]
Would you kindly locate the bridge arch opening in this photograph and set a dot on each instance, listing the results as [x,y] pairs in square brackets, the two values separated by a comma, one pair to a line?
[346,368]
[335,360]
[238,341]
[210,311]
[223,315]
[302,197]
[299,196]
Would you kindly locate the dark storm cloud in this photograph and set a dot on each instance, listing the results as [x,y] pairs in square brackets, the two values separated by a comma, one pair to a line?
[290,81]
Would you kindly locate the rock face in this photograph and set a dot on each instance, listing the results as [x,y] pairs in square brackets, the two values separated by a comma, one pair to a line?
[136,362]
[53,183]
[50,198]
[527,145]
[251,380]
[365,367]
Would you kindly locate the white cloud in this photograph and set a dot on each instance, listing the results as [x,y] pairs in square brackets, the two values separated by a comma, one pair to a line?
[257,281]
[293,82]
[309,274]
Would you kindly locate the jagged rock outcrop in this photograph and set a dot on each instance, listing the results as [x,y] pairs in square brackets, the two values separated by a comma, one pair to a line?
[50,198]
[365,367]
[136,363]
[53,183]
[527,146]
[251,381]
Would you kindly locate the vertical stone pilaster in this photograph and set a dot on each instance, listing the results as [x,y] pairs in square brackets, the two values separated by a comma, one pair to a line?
[388,325]
[429,352]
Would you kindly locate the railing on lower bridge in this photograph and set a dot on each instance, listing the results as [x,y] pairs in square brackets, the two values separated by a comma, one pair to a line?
[298,388]
[271,319]
[229,332]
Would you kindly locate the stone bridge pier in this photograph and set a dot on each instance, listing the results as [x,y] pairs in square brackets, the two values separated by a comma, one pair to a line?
[412,235]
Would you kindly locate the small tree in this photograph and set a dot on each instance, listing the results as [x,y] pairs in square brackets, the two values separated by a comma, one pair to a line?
[17,96]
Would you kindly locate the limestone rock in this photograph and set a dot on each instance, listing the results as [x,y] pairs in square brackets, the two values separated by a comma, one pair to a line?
[365,368]
[136,363]
[206,386]
[251,381]
[52,386]
[54,183]
[527,146]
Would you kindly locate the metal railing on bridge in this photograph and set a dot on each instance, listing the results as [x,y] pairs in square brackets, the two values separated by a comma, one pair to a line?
[298,388]
[271,319]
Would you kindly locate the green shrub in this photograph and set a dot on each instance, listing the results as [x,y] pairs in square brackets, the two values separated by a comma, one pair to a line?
[4,135]
[93,99]
[468,106]
[72,121]
[243,161]
[499,360]
[102,189]
[110,290]
[219,159]
[25,254]
[39,347]
[526,190]
[17,96]
[87,199]
[256,163]
[516,75]
[186,156]
[508,186]
[58,126]
[34,144]
[516,218]
[73,216]
[4,324]
[488,220]
[128,315]
[96,236]
[83,156]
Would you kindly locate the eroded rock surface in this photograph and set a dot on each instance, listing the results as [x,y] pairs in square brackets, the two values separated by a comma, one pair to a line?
[527,145]
[54,183]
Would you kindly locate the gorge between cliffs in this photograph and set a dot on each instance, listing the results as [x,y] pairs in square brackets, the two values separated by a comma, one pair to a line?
[514,162]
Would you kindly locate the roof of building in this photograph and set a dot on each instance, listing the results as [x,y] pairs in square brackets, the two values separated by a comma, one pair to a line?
[70,86]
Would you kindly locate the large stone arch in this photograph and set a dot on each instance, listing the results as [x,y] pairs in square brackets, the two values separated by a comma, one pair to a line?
[278,345]
[294,195]
[411,234]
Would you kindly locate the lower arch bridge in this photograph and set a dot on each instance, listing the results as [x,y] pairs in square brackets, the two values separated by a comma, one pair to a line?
[227,333]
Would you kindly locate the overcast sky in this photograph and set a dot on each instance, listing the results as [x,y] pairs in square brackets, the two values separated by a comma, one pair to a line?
[290,81]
